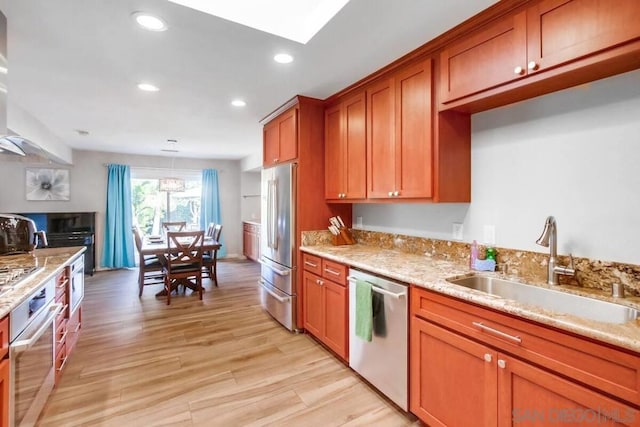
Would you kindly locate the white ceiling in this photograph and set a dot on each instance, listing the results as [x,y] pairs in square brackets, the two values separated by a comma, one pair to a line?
[74,64]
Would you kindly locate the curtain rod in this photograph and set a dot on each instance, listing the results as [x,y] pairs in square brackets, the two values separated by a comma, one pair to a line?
[163,169]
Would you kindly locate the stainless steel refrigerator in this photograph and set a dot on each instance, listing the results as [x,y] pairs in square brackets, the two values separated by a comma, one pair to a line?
[278,259]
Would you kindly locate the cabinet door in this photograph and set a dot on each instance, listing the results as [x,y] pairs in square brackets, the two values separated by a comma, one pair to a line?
[414,148]
[534,397]
[381,153]
[271,141]
[336,318]
[313,304]
[4,393]
[288,136]
[333,153]
[246,243]
[355,147]
[559,31]
[453,379]
[484,60]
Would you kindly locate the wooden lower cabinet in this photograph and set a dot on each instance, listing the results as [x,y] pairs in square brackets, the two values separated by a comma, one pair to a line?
[325,304]
[456,379]
[251,240]
[4,393]
[67,324]
[452,384]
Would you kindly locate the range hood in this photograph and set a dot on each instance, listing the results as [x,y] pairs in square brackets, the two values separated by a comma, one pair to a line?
[10,142]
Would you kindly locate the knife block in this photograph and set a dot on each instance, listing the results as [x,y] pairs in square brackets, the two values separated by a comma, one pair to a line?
[344,238]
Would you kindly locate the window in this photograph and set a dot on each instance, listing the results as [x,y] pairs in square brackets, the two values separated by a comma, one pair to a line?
[150,204]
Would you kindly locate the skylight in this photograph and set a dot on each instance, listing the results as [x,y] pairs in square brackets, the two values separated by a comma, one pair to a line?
[297,20]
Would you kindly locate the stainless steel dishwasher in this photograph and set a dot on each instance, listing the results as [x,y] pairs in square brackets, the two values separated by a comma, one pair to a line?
[383,360]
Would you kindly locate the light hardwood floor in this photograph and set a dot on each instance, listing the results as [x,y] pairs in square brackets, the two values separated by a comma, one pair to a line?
[217,362]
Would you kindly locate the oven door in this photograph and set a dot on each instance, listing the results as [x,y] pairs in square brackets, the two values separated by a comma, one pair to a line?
[32,369]
[76,285]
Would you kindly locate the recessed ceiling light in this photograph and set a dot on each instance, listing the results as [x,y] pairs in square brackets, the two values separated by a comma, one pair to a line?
[283,58]
[172,141]
[82,132]
[238,103]
[149,22]
[147,87]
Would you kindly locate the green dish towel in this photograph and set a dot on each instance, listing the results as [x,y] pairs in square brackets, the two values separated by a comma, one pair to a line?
[364,310]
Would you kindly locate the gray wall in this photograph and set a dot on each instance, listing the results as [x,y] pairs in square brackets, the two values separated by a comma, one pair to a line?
[250,188]
[574,154]
[88,177]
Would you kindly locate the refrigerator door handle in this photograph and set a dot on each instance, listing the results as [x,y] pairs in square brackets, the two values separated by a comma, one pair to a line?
[275,270]
[274,214]
[269,216]
[273,294]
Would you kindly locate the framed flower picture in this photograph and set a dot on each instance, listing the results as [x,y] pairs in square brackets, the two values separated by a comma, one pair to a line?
[47,184]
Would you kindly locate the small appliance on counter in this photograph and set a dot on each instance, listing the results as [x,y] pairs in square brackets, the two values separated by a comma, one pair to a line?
[18,235]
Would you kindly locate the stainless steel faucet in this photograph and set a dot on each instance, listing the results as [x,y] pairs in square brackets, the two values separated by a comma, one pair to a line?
[549,238]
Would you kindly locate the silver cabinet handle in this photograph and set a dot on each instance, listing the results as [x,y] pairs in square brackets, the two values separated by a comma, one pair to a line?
[310,264]
[61,340]
[532,65]
[390,193]
[487,357]
[518,70]
[335,273]
[396,193]
[22,345]
[273,294]
[502,364]
[497,332]
[64,362]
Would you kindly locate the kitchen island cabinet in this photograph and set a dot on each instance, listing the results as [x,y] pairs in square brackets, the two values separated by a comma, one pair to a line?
[520,370]
[4,372]
[326,303]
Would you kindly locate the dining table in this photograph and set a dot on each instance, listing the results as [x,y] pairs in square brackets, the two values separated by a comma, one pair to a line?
[158,246]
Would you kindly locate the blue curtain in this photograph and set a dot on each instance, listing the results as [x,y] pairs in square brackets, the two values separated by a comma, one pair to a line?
[210,204]
[117,250]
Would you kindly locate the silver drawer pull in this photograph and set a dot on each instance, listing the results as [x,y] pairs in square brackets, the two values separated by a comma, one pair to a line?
[275,270]
[335,273]
[310,264]
[64,362]
[497,332]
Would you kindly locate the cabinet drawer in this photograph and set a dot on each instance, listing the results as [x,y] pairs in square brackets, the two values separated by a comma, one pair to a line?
[60,361]
[312,263]
[335,272]
[603,367]
[61,334]
[61,284]
[4,337]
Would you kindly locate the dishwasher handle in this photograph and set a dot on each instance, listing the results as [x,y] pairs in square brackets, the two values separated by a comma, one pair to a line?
[25,344]
[379,290]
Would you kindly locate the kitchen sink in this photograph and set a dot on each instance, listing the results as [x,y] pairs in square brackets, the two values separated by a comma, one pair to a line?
[561,302]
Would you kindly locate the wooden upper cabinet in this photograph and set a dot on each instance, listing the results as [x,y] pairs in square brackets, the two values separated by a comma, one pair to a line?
[280,138]
[399,134]
[565,42]
[490,57]
[345,150]
[559,31]
[381,162]
[414,147]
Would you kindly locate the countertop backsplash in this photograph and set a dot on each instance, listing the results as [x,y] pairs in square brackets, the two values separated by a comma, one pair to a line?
[530,266]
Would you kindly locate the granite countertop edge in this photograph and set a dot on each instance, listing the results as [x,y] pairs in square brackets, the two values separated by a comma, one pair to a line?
[431,274]
[52,259]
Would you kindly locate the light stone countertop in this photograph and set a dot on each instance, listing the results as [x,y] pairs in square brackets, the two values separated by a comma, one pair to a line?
[431,273]
[52,259]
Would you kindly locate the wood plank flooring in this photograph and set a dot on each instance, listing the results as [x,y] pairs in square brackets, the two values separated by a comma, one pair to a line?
[217,362]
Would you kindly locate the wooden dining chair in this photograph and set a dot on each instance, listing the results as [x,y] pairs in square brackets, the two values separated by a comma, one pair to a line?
[174,226]
[149,266]
[210,258]
[183,262]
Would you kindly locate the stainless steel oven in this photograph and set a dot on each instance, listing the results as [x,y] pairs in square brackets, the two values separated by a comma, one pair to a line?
[76,285]
[32,331]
